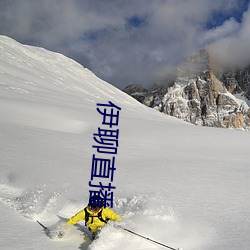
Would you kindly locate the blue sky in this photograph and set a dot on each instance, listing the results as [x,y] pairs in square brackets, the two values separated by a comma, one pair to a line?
[131,41]
[218,17]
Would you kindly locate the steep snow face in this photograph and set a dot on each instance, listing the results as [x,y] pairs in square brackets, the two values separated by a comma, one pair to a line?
[37,74]
[179,184]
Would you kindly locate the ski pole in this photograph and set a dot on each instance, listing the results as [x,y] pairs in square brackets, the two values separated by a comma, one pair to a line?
[149,239]
[45,228]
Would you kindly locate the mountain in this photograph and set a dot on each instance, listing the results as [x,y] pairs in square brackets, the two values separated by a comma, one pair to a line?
[237,81]
[202,97]
[182,185]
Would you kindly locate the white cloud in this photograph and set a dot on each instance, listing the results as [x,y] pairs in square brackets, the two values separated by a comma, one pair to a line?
[97,32]
[233,50]
[228,28]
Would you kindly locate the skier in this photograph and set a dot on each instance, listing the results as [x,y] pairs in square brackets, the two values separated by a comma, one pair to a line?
[95,218]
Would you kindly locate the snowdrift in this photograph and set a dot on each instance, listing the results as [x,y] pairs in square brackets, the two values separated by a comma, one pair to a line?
[182,185]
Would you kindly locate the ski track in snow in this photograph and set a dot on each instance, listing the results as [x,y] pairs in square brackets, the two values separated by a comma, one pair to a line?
[143,214]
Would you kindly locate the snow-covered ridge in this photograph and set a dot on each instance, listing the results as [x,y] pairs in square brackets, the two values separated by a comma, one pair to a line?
[35,68]
[33,74]
[49,68]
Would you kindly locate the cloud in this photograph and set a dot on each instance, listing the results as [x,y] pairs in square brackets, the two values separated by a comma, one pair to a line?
[228,28]
[121,41]
[233,49]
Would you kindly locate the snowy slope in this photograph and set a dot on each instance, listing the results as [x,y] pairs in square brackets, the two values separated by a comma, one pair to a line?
[179,184]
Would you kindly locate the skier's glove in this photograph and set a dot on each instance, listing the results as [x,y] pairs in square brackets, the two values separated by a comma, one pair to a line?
[118,226]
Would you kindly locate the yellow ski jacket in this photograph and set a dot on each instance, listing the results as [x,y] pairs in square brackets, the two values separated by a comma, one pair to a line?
[94,223]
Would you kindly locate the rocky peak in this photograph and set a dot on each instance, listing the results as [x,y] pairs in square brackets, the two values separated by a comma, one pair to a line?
[197,64]
[136,90]
[201,97]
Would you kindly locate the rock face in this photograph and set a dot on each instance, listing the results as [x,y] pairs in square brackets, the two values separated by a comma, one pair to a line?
[201,97]
[137,91]
[237,81]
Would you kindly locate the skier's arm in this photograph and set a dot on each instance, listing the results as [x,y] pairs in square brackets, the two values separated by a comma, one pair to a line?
[110,214]
[77,217]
